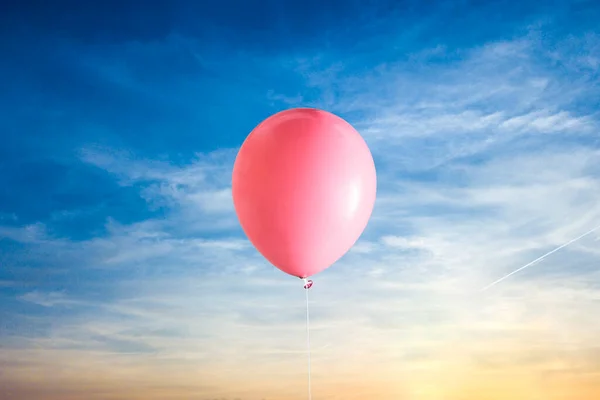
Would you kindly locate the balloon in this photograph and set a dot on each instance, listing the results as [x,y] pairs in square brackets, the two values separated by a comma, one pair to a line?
[304,186]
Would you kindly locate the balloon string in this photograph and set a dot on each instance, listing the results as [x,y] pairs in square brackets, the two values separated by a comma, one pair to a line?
[307,286]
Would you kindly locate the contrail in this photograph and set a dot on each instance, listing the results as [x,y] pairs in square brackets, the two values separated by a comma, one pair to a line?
[540,258]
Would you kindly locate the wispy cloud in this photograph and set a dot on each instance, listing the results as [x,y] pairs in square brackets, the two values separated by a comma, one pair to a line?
[50,299]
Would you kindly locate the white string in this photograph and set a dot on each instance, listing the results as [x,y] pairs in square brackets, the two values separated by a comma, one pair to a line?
[308,337]
[541,258]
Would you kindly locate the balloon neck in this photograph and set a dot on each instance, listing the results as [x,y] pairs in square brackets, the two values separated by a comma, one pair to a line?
[307,283]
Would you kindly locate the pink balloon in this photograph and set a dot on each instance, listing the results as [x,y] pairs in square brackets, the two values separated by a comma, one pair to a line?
[304,187]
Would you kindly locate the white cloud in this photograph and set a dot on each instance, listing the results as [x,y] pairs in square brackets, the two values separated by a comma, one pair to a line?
[49,299]
[402,242]
[29,234]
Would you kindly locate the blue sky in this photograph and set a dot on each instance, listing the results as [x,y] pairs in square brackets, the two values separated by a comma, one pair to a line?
[120,253]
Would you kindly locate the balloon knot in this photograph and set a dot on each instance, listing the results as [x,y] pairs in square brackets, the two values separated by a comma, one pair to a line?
[307,283]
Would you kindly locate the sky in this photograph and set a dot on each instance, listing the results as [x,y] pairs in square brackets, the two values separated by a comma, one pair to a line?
[124,273]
